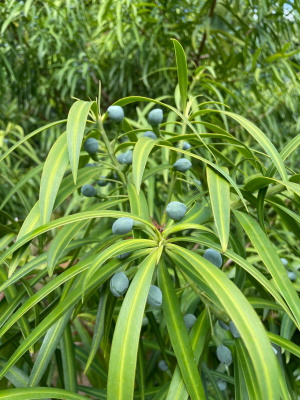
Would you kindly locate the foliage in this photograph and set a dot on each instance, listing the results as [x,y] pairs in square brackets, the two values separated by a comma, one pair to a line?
[64,332]
[243,53]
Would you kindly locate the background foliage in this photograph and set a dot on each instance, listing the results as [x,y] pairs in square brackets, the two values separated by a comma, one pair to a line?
[53,50]
[63,333]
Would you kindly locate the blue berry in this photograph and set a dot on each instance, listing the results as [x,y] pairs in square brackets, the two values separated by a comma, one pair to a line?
[119,284]
[182,165]
[91,145]
[116,113]
[150,134]
[176,210]
[155,117]
[154,296]
[214,257]
[88,191]
[122,226]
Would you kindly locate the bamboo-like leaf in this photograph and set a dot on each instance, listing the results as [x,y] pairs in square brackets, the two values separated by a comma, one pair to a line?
[246,266]
[199,336]
[285,344]
[70,300]
[39,393]
[179,336]
[65,235]
[182,73]
[248,370]
[68,360]
[124,349]
[219,191]
[114,250]
[269,257]
[29,136]
[15,375]
[140,156]
[138,202]
[53,172]
[98,330]
[75,128]
[47,350]
[68,220]
[244,317]
[184,226]
[67,187]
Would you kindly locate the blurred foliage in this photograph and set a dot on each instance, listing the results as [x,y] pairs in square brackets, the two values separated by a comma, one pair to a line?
[53,50]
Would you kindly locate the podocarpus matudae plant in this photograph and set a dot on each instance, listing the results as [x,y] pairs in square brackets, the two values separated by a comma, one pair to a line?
[154,266]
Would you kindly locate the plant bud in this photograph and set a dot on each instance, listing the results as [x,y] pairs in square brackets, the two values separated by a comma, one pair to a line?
[235,333]
[150,134]
[182,165]
[284,261]
[119,284]
[222,385]
[223,325]
[88,191]
[224,354]
[120,158]
[189,320]
[124,255]
[214,257]
[163,365]
[186,146]
[122,226]
[102,182]
[116,113]
[292,276]
[128,157]
[176,210]
[155,117]
[91,145]
[154,296]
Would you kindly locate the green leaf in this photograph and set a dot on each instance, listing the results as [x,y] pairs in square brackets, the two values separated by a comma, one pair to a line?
[15,375]
[98,330]
[68,220]
[39,393]
[243,316]
[269,257]
[68,359]
[65,235]
[262,139]
[75,128]
[182,72]
[114,250]
[219,191]
[246,266]
[140,156]
[179,336]
[53,172]
[47,350]
[284,343]
[199,338]
[123,356]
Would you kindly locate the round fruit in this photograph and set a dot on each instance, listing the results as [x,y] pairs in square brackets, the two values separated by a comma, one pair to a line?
[91,145]
[284,261]
[186,146]
[223,325]
[122,226]
[163,365]
[176,210]
[119,284]
[88,191]
[155,117]
[222,385]
[102,182]
[224,354]
[116,113]
[150,134]
[182,165]
[89,165]
[124,255]
[154,296]
[189,320]
[120,158]
[128,157]
[292,276]
[214,257]
[235,333]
